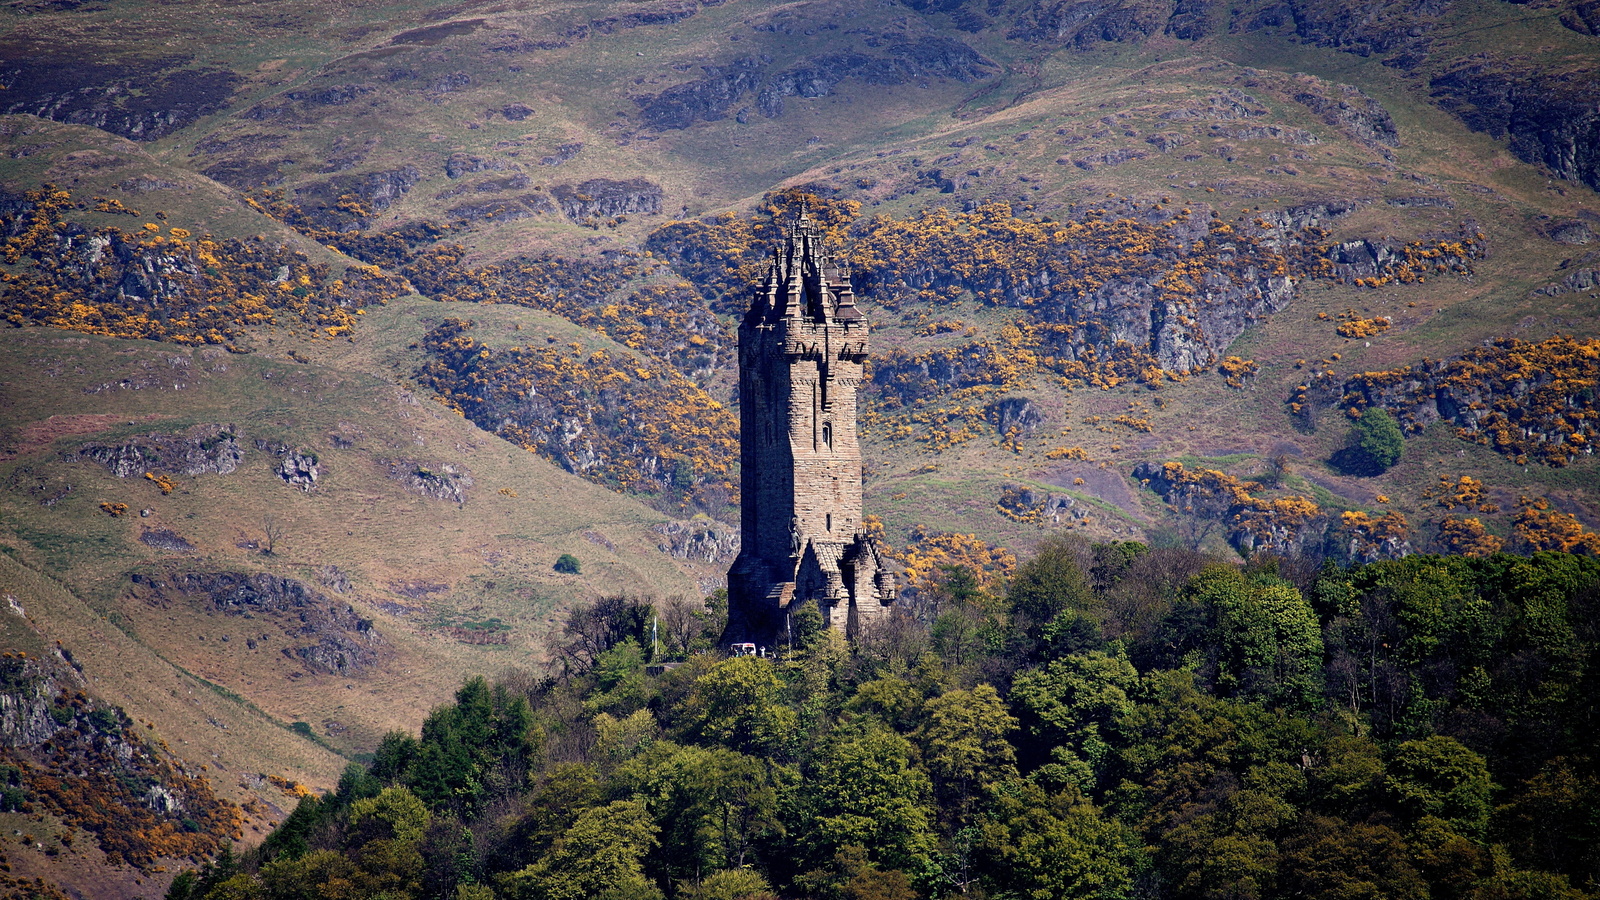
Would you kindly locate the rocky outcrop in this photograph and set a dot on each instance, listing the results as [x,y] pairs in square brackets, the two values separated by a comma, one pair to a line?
[1131,313]
[1124,312]
[1549,119]
[1039,507]
[1583,17]
[299,469]
[1014,414]
[1087,23]
[608,198]
[204,449]
[1225,105]
[140,102]
[27,688]
[1570,231]
[504,210]
[325,201]
[701,539]
[1575,282]
[165,539]
[1108,158]
[707,98]
[883,61]
[1401,28]
[1527,401]
[1353,111]
[460,164]
[286,104]
[440,481]
[332,638]
[1286,526]
[81,761]
[1583,274]
[563,153]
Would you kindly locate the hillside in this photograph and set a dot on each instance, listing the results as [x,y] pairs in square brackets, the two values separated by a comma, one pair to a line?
[1134,268]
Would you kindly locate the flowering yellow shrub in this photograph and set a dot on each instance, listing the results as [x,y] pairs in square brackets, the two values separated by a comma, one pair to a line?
[174,287]
[1466,492]
[1235,370]
[1386,537]
[623,421]
[1528,401]
[667,320]
[1352,325]
[1541,528]
[1254,523]
[1464,536]
[929,553]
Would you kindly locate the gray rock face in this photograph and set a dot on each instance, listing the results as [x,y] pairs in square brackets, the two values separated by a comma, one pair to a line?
[332,637]
[287,104]
[1549,119]
[1581,280]
[205,449]
[1402,26]
[1571,232]
[25,719]
[1359,115]
[705,99]
[504,210]
[1044,508]
[375,190]
[1252,525]
[607,198]
[1014,414]
[889,62]
[460,164]
[701,539]
[299,470]
[164,539]
[1087,23]
[439,481]
[141,103]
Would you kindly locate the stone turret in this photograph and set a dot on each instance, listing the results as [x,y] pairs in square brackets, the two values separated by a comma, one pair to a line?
[802,347]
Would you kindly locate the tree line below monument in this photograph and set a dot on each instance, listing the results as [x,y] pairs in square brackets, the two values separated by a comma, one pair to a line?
[1120,721]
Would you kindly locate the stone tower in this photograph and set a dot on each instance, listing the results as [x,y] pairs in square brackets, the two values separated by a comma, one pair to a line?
[801,350]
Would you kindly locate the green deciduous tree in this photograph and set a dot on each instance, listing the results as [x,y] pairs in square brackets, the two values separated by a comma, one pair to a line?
[1067,709]
[1053,607]
[964,744]
[1044,847]
[739,704]
[713,806]
[866,791]
[1438,777]
[1378,438]
[1334,859]
[599,858]
[1268,642]
[479,748]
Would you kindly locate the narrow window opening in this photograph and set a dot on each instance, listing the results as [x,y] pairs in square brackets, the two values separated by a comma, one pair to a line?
[827,435]
[830,521]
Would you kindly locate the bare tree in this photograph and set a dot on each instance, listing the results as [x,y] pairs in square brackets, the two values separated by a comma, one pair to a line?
[682,620]
[274,531]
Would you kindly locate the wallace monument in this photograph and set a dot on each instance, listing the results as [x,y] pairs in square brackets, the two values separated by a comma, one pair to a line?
[802,346]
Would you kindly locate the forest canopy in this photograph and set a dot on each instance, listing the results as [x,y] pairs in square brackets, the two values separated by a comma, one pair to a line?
[1113,721]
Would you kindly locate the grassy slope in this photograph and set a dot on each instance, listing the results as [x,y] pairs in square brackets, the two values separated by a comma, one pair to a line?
[488,558]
